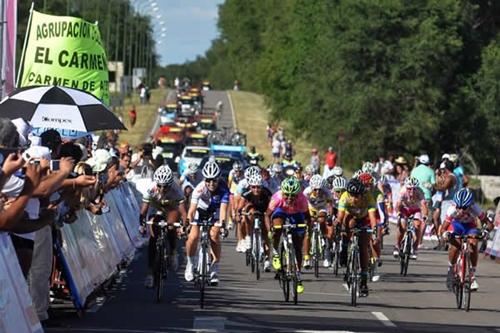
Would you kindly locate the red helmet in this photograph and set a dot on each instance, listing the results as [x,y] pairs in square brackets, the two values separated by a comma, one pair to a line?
[366,178]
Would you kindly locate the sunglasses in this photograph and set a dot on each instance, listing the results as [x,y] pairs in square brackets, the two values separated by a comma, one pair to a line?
[289,196]
[211,180]
[253,187]
[163,186]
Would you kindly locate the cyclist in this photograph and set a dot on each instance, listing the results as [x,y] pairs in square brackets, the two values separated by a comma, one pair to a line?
[461,220]
[191,175]
[411,201]
[357,210]
[235,176]
[167,198]
[277,177]
[339,186]
[288,160]
[212,196]
[256,199]
[288,203]
[319,200]
[253,157]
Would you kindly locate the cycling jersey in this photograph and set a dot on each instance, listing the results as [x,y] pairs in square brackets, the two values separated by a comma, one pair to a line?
[410,202]
[467,216]
[317,202]
[192,179]
[259,202]
[358,210]
[234,181]
[168,200]
[208,201]
[298,205]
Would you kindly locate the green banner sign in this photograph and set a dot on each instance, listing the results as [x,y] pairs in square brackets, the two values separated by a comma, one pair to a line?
[65,51]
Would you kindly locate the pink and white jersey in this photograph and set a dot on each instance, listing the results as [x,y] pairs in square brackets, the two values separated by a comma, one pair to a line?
[411,199]
[299,205]
[464,216]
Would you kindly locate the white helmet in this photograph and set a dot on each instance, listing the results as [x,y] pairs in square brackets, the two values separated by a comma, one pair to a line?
[316,182]
[254,180]
[237,166]
[277,167]
[339,183]
[357,173]
[163,175]
[411,182]
[337,171]
[367,167]
[192,168]
[252,170]
[211,170]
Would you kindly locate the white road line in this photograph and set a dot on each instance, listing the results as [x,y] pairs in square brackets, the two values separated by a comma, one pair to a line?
[380,316]
[232,110]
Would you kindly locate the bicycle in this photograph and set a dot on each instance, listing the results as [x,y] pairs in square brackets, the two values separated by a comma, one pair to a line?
[353,275]
[462,275]
[289,266]
[317,245]
[162,259]
[337,248]
[407,246]
[255,255]
[201,272]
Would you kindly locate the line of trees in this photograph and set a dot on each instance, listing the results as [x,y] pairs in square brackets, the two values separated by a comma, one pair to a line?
[126,33]
[391,76]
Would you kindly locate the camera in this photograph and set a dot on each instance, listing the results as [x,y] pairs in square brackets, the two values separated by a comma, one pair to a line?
[54,165]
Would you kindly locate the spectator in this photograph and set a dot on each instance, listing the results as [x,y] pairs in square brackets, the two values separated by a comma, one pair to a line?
[330,162]
[401,170]
[425,176]
[458,171]
[276,149]
[132,116]
[315,161]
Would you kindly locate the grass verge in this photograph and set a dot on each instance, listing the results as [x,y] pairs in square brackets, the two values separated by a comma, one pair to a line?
[146,116]
[252,116]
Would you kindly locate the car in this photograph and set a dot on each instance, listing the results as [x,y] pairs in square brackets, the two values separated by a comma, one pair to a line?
[192,154]
[187,122]
[187,104]
[196,139]
[206,85]
[207,125]
[172,149]
[169,130]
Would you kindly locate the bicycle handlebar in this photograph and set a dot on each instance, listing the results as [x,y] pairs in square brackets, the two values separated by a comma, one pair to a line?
[163,224]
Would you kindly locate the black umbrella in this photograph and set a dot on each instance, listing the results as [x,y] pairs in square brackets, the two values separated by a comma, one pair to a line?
[60,108]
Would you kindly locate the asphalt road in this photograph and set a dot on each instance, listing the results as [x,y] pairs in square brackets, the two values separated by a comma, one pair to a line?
[418,302]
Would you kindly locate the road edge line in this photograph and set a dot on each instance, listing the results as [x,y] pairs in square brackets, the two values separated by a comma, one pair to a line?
[383,318]
[235,125]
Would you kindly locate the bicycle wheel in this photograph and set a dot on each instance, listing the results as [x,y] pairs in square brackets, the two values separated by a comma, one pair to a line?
[336,259]
[203,274]
[458,284]
[159,272]
[251,253]
[292,273]
[467,283]
[354,278]
[257,246]
[405,255]
[285,282]
[316,253]
[348,276]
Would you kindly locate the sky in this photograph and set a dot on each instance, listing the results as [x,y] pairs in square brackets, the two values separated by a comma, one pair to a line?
[190,26]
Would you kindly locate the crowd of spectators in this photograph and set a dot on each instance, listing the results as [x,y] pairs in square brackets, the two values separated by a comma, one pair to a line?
[45,180]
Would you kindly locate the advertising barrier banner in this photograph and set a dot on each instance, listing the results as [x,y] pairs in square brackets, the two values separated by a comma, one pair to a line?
[17,313]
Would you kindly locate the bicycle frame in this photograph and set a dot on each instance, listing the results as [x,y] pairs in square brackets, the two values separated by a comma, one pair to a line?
[354,264]
[204,252]
[407,245]
[317,243]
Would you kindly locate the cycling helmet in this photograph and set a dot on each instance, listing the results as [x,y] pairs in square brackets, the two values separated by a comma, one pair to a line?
[252,170]
[463,198]
[237,166]
[367,167]
[339,183]
[411,182]
[290,186]
[277,168]
[255,180]
[366,178]
[192,168]
[316,182]
[355,186]
[211,170]
[309,170]
[337,171]
[163,175]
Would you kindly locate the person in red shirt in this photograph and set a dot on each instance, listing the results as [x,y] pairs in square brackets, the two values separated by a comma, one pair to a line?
[330,159]
[132,114]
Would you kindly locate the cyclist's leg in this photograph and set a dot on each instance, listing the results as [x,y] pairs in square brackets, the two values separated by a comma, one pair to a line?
[471,229]
[277,220]
[191,247]
[173,217]
[400,232]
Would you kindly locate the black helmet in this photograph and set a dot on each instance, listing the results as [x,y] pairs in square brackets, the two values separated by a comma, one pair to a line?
[355,186]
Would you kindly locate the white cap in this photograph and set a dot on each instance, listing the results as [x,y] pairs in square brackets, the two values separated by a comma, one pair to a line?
[37,152]
[424,159]
[445,156]
[99,160]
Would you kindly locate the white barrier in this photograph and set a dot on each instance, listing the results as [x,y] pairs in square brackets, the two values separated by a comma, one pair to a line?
[17,313]
[94,245]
